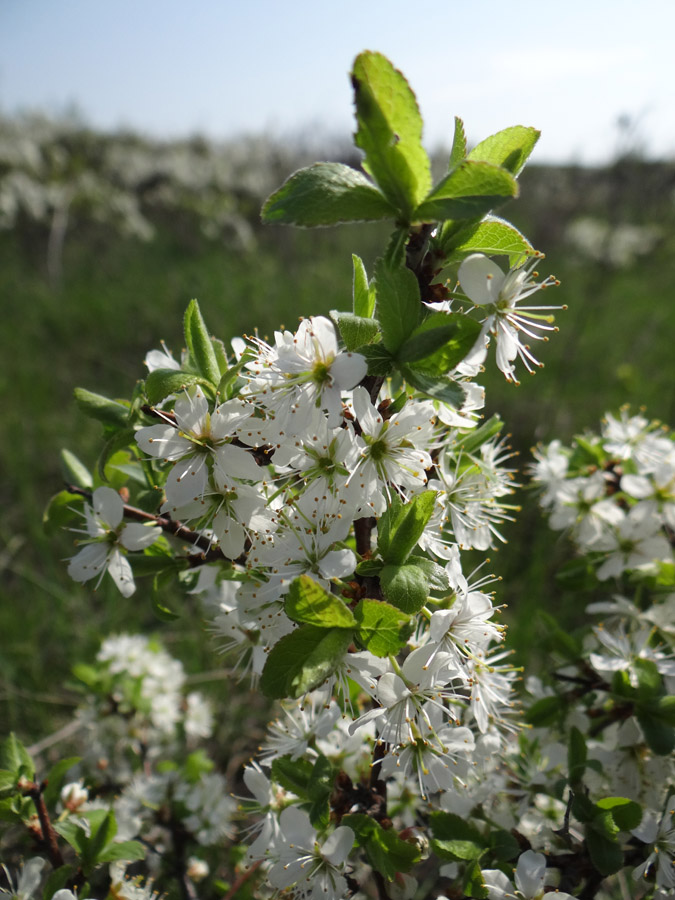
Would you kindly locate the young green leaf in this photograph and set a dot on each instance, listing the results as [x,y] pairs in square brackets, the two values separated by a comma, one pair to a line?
[293,774]
[390,132]
[479,436]
[405,587]
[15,758]
[660,736]
[110,412]
[381,628]
[61,510]
[458,151]
[162,382]
[356,331]
[509,148]
[627,814]
[438,387]
[200,345]
[309,604]
[493,237]
[326,194]
[398,303]
[436,575]
[401,527]
[56,777]
[380,361]
[469,191]
[302,660]
[576,756]
[385,850]
[363,297]
[440,343]
[606,855]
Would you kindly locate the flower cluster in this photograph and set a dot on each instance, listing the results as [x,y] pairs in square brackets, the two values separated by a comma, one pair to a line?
[614,492]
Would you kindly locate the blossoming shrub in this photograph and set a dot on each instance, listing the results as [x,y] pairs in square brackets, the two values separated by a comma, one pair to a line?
[317,493]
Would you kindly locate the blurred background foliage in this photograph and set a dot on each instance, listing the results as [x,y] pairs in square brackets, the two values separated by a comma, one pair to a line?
[104,238]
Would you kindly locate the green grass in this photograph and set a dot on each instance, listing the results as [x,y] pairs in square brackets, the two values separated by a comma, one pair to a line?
[118,298]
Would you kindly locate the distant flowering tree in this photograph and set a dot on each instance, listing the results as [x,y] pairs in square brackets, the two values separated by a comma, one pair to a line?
[317,493]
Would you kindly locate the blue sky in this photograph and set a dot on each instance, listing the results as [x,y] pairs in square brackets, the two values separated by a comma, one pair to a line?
[173,68]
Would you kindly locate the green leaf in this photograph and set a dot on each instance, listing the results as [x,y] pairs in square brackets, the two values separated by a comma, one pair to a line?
[626,813]
[473,440]
[369,568]
[398,303]
[458,151]
[650,683]
[101,837]
[8,780]
[660,737]
[56,777]
[74,471]
[87,674]
[221,355]
[576,756]
[382,629]
[309,604]
[389,131]
[293,774]
[469,191]
[454,838]
[227,386]
[438,387]
[402,525]
[456,849]
[503,845]
[436,575]
[57,880]
[380,361]
[664,709]
[319,790]
[163,563]
[124,850]
[545,711]
[557,639]
[120,440]
[363,297]
[493,237]
[509,148]
[110,412]
[15,758]
[326,193]
[61,510]
[474,883]
[606,855]
[199,344]
[302,660]
[583,808]
[159,607]
[197,765]
[356,331]
[385,850]
[163,382]
[405,587]
[440,343]
[73,834]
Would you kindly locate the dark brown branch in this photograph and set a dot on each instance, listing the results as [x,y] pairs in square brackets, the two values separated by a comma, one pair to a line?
[242,879]
[169,526]
[34,790]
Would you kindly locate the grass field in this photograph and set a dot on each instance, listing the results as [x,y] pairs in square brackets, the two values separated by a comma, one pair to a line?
[117,296]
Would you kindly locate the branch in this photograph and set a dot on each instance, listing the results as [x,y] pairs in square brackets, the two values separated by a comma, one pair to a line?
[34,790]
[169,526]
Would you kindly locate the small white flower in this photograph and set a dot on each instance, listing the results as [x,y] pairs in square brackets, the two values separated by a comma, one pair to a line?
[487,285]
[106,534]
